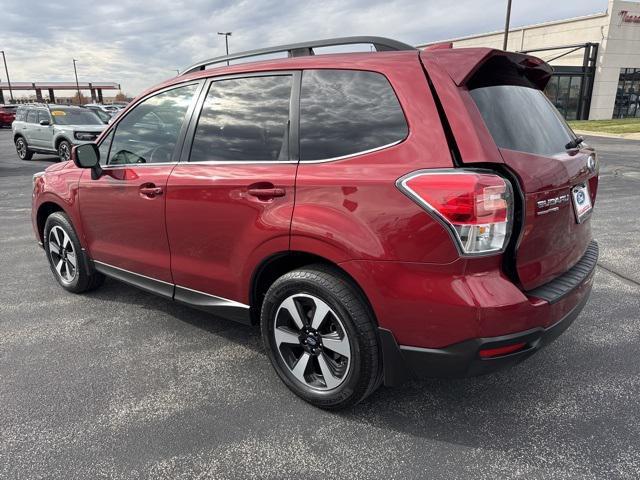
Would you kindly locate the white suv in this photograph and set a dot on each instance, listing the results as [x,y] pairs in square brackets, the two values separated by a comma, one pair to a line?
[53,129]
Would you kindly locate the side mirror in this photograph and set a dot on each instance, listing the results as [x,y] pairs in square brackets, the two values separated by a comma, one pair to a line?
[44,123]
[87,155]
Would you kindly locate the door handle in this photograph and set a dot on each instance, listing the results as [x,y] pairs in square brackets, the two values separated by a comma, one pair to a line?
[269,192]
[150,190]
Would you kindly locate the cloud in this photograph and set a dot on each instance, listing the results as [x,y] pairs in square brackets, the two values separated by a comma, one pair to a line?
[138,43]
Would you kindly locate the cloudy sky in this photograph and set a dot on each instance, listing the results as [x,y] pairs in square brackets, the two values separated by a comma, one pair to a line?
[138,43]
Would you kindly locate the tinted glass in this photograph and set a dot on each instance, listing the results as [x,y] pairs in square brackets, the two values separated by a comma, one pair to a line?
[104,148]
[574,98]
[21,114]
[628,94]
[74,116]
[32,116]
[149,132]
[43,115]
[244,119]
[104,116]
[343,112]
[523,119]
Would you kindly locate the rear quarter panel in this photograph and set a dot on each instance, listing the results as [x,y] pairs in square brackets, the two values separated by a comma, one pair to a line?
[351,209]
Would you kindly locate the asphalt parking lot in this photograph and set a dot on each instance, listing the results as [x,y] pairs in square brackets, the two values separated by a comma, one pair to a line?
[122,384]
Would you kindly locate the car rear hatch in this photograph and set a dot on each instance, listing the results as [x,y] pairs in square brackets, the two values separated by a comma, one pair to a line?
[497,116]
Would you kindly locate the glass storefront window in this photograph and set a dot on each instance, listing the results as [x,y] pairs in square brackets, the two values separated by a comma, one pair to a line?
[628,94]
[574,98]
[564,92]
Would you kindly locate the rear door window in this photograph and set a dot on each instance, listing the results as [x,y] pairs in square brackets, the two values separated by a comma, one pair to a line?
[523,119]
[44,115]
[244,120]
[32,116]
[344,112]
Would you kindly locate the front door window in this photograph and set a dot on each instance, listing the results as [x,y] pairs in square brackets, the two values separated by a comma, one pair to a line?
[149,133]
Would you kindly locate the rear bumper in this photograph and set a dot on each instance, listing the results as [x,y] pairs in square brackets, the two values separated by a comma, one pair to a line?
[463,359]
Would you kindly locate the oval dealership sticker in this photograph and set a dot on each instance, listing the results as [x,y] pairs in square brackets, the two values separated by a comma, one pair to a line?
[58,113]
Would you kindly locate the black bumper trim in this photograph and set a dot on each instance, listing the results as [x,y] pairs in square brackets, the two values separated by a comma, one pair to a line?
[558,288]
[462,359]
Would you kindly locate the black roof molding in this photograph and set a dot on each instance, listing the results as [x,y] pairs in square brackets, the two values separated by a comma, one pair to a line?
[381,44]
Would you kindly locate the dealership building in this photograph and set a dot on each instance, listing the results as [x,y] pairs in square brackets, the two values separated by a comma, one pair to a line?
[595,57]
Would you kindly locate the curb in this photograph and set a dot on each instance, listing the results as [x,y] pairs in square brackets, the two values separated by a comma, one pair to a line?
[627,136]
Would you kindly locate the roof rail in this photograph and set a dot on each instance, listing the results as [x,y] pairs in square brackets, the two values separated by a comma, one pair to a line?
[302,49]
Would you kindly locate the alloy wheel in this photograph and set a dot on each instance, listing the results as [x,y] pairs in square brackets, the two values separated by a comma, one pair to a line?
[312,341]
[21,148]
[62,254]
[64,151]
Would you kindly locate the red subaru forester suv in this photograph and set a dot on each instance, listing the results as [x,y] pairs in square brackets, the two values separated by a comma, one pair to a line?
[383,216]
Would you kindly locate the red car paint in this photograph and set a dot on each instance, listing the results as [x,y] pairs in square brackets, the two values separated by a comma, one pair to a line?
[7,116]
[206,232]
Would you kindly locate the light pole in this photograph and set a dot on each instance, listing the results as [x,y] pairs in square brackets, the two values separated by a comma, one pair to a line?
[226,41]
[77,84]
[506,25]
[7,72]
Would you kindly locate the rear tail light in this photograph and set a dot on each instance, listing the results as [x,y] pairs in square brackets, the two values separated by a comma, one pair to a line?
[476,207]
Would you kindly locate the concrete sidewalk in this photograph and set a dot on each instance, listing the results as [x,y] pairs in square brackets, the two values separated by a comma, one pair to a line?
[627,136]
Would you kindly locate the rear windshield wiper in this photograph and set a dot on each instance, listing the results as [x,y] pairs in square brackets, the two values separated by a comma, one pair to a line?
[575,143]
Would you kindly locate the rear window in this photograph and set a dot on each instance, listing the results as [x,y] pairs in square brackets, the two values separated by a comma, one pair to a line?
[523,119]
[344,112]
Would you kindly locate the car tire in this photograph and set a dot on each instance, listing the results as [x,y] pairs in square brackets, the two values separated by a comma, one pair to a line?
[22,148]
[68,261]
[329,354]
[64,150]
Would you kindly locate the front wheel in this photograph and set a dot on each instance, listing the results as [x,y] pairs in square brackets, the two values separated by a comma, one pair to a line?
[22,149]
[69,263]
[320,337]
[64,150]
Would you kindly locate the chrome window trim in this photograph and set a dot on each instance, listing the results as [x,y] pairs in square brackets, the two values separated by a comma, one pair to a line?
[323,160]
[238,162]
[132,165]
[350,155]
[250,162]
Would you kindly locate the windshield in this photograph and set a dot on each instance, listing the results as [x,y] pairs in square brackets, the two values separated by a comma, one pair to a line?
[75,117]
[523,119]
[104,116]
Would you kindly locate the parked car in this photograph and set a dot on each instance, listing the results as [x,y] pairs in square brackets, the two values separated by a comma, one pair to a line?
[103,114]
[53,129]
[383,216]
[7,115]
[104,108]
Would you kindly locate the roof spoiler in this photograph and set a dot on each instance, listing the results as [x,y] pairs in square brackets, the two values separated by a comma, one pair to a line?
[481,67]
